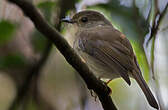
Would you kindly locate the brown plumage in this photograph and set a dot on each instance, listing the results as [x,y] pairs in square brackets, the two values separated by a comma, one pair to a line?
[107,51]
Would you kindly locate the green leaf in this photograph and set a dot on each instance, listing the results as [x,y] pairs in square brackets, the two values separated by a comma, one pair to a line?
[46,4]
[39,41]
[7,30]
[12,61]
[46,7]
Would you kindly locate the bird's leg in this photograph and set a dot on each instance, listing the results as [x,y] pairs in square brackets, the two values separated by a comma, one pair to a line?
[99,78]
[106,83]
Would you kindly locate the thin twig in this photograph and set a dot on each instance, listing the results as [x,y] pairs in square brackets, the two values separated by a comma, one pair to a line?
[72,58]
[154,31]
[157,22]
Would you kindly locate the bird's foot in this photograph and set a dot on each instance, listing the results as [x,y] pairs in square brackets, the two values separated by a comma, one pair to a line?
[109,89]
[99,78]
[106,83]
[93,94]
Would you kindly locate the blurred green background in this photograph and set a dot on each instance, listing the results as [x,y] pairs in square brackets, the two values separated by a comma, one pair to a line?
[35,76]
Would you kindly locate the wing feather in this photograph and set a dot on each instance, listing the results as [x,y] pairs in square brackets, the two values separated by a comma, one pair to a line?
[111,53]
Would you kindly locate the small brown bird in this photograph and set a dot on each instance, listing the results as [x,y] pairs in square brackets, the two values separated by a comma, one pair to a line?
[106,50]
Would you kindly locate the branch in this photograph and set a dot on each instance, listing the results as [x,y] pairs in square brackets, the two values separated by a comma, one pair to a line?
[34,72]
[154,30]
[156,22]
[72,58]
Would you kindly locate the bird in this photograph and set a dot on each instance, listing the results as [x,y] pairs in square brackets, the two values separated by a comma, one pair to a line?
[106,50]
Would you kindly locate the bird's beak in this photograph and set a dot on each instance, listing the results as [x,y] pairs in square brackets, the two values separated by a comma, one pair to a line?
[67,20]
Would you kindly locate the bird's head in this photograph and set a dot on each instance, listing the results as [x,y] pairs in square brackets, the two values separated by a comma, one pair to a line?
[87,19]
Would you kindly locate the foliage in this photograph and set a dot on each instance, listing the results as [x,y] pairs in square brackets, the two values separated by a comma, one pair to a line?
[7,30]
[12,61]
[47,7]
[39,42]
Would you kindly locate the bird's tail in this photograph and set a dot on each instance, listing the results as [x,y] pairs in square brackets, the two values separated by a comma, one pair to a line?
[137,75]
[149,96]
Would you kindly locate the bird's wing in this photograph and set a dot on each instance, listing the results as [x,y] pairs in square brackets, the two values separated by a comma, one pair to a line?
[112,53]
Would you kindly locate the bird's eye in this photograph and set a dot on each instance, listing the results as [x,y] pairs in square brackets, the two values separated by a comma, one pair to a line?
[84,19]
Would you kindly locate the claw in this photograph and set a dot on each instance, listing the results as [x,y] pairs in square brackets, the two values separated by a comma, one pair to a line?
[106,83]
[93,94]
[109,89]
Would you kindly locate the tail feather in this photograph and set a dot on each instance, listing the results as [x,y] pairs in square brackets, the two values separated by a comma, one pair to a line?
[149,96]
